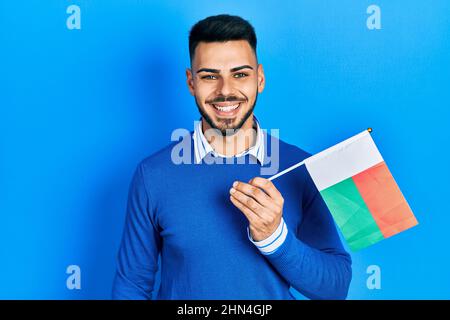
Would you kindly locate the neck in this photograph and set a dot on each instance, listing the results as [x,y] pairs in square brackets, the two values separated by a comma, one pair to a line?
[232,145]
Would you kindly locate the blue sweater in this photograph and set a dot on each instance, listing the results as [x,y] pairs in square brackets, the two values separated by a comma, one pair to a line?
[183,213]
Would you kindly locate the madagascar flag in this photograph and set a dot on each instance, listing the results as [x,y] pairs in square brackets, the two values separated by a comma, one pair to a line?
[360,191]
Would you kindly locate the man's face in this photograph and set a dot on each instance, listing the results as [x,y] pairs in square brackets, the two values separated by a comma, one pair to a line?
[225,80]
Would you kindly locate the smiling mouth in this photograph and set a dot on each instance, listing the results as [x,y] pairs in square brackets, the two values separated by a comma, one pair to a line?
[226,109]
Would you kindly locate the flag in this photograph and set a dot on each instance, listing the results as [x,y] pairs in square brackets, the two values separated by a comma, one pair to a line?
[360,191]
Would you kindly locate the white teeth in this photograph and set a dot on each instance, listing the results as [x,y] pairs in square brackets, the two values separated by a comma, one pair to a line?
[227,108]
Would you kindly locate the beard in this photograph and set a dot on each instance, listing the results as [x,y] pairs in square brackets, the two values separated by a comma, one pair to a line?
[225,126]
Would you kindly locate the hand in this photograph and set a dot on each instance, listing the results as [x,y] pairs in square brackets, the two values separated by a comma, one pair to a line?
[262,204]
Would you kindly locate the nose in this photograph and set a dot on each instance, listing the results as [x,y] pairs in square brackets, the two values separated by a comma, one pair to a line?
[224,87]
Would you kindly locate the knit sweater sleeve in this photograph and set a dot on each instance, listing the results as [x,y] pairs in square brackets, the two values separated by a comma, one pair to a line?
[137,259]
[312,258]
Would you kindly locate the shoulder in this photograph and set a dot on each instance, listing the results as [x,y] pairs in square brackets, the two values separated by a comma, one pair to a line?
[294,150]
[289,153]
[163,158]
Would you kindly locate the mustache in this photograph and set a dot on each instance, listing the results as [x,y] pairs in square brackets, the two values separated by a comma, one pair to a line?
[226,99]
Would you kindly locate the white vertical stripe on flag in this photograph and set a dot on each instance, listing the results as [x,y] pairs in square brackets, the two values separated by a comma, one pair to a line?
[343,160]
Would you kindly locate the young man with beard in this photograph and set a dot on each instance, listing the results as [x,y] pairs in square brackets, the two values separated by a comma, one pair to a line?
[223,231]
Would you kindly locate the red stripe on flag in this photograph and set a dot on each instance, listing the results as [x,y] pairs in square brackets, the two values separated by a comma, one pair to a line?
[384,199]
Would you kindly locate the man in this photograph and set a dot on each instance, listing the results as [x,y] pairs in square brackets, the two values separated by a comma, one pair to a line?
[223,231]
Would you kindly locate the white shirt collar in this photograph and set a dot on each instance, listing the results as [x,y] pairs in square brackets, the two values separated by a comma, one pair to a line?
[202,146]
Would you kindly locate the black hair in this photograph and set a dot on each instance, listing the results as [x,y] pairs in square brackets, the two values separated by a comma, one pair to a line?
[221,28]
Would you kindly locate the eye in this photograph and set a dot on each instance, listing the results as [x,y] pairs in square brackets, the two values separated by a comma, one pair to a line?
[209,77]
[240,75]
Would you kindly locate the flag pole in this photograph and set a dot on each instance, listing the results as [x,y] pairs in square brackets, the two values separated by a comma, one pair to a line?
[286,170]
[295,166]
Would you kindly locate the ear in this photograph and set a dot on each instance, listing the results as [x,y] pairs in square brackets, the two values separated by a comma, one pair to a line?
[190,81]
[261,78]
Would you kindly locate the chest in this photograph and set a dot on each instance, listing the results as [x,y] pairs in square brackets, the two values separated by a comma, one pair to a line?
[200,215]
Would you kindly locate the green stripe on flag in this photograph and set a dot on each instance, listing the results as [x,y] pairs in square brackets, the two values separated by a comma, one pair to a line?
[351,214]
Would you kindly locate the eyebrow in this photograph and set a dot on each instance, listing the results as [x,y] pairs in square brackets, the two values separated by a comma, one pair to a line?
[218,71]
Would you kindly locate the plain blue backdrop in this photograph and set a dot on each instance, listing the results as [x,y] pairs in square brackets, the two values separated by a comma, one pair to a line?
[80,108]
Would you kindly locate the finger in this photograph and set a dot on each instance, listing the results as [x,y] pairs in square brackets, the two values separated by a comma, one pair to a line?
[247,201]
[260,196]
[267,186]
[251,216]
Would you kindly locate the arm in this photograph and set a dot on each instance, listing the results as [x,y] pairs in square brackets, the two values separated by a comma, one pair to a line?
[312,260]
[137,260]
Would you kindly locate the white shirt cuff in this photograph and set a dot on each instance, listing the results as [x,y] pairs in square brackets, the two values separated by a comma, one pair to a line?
[273,242]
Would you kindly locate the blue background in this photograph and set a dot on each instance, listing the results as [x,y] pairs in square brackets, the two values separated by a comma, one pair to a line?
[80,108]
